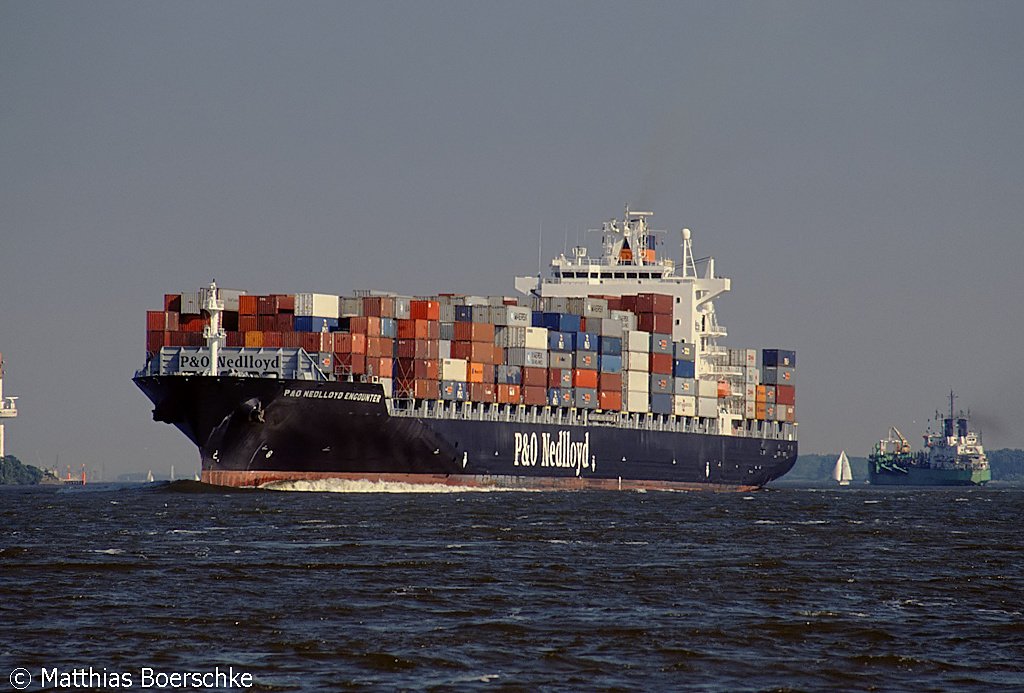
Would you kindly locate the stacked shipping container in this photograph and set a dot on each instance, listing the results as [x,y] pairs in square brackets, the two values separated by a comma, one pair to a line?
[598,353]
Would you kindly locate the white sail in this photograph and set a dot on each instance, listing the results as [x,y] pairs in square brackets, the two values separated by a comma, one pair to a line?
[842,472]
[149,477]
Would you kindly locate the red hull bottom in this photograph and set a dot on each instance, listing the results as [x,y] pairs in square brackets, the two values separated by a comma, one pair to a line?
[250,479]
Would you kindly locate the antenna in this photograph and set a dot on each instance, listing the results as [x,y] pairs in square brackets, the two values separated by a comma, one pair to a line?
[540,244]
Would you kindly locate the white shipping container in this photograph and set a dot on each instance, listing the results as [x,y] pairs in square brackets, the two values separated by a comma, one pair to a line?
[536,338]
[228,296]
[636,381]
[444,349]
[350,307]
[317,305]
[636,361]
[454,369]
[637,340]
[402,308]
[684,405]
[707,407]
[749,409]
[627,318]
[556,304]
[636,402]
[511,315]
[610,327]
[510,337]
[707,388]
[526,358]
[446,311]
[191,304]
[752,376]
[595,308]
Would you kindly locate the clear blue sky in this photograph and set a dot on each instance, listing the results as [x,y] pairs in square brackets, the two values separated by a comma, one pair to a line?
[855,167]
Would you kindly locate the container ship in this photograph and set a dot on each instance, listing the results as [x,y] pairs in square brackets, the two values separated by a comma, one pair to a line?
[607,374]
[953,456]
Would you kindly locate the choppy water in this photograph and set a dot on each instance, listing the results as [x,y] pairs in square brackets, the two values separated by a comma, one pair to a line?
[789,588]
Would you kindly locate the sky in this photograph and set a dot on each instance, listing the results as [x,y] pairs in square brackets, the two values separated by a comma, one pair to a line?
[856,168]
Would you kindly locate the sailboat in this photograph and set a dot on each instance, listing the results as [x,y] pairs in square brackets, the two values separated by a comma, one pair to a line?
[149,477]
[842,473]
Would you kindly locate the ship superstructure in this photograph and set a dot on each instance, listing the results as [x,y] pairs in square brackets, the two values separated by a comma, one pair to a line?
[953,455]
[609,373]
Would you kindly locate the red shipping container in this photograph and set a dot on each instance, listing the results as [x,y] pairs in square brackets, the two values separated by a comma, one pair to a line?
[474,332]
[628,303]
[266,305]
[172,303]
[610,381]
[379,306]
[584,378]
[350,363]
[380,367]
[652,322]
[610,400]
[426,389]
[489,373]
[405,348]
[161,321]
[461,350]
[785,394]
[614,303]
[266,323]
[429,369]
[155,339]
[192,323]
[251,322]
[272,340]
[285,303]
[235,339]
[661,363]
[483,392]
[285,322]
[554,377]
[248,305]
[509,394]
[537,377]
[654,303]
[534,395]
[425,310]
[413,329]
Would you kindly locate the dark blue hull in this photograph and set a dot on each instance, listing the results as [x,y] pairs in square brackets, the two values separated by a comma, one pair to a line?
[251,431]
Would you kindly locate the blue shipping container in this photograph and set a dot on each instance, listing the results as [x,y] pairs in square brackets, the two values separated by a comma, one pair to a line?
[307,323]
[778,358]
[586,341]
[683,369]
[537,319]
[510,375]
[389,328]
[463,313]
[611,345]
[567,322]
[661,404]
[560,341]
[610,363]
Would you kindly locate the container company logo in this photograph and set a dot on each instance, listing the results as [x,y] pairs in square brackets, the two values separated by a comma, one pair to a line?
[199,362]
[346,395]
[549,450]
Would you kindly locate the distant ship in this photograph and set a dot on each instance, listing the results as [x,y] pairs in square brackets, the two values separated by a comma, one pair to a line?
[953,456]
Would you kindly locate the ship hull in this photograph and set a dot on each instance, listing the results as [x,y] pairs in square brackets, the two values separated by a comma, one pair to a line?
[916,476]
[255,431]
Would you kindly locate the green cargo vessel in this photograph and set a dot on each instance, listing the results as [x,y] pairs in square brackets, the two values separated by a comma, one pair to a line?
[953,456]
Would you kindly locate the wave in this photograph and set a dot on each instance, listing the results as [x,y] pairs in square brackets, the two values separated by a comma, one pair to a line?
[367,486]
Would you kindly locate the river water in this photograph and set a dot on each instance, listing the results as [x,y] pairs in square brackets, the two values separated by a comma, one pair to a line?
[783,589]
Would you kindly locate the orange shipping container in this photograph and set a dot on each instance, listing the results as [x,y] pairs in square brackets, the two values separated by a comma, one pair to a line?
[585,378]
[379,347]
[248,305]
[254,338]
[760,411]
[508,394]
[723,389]
[475,372]
[474,332]
[610,400]
[413,329]
[761,395]
[426,389]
